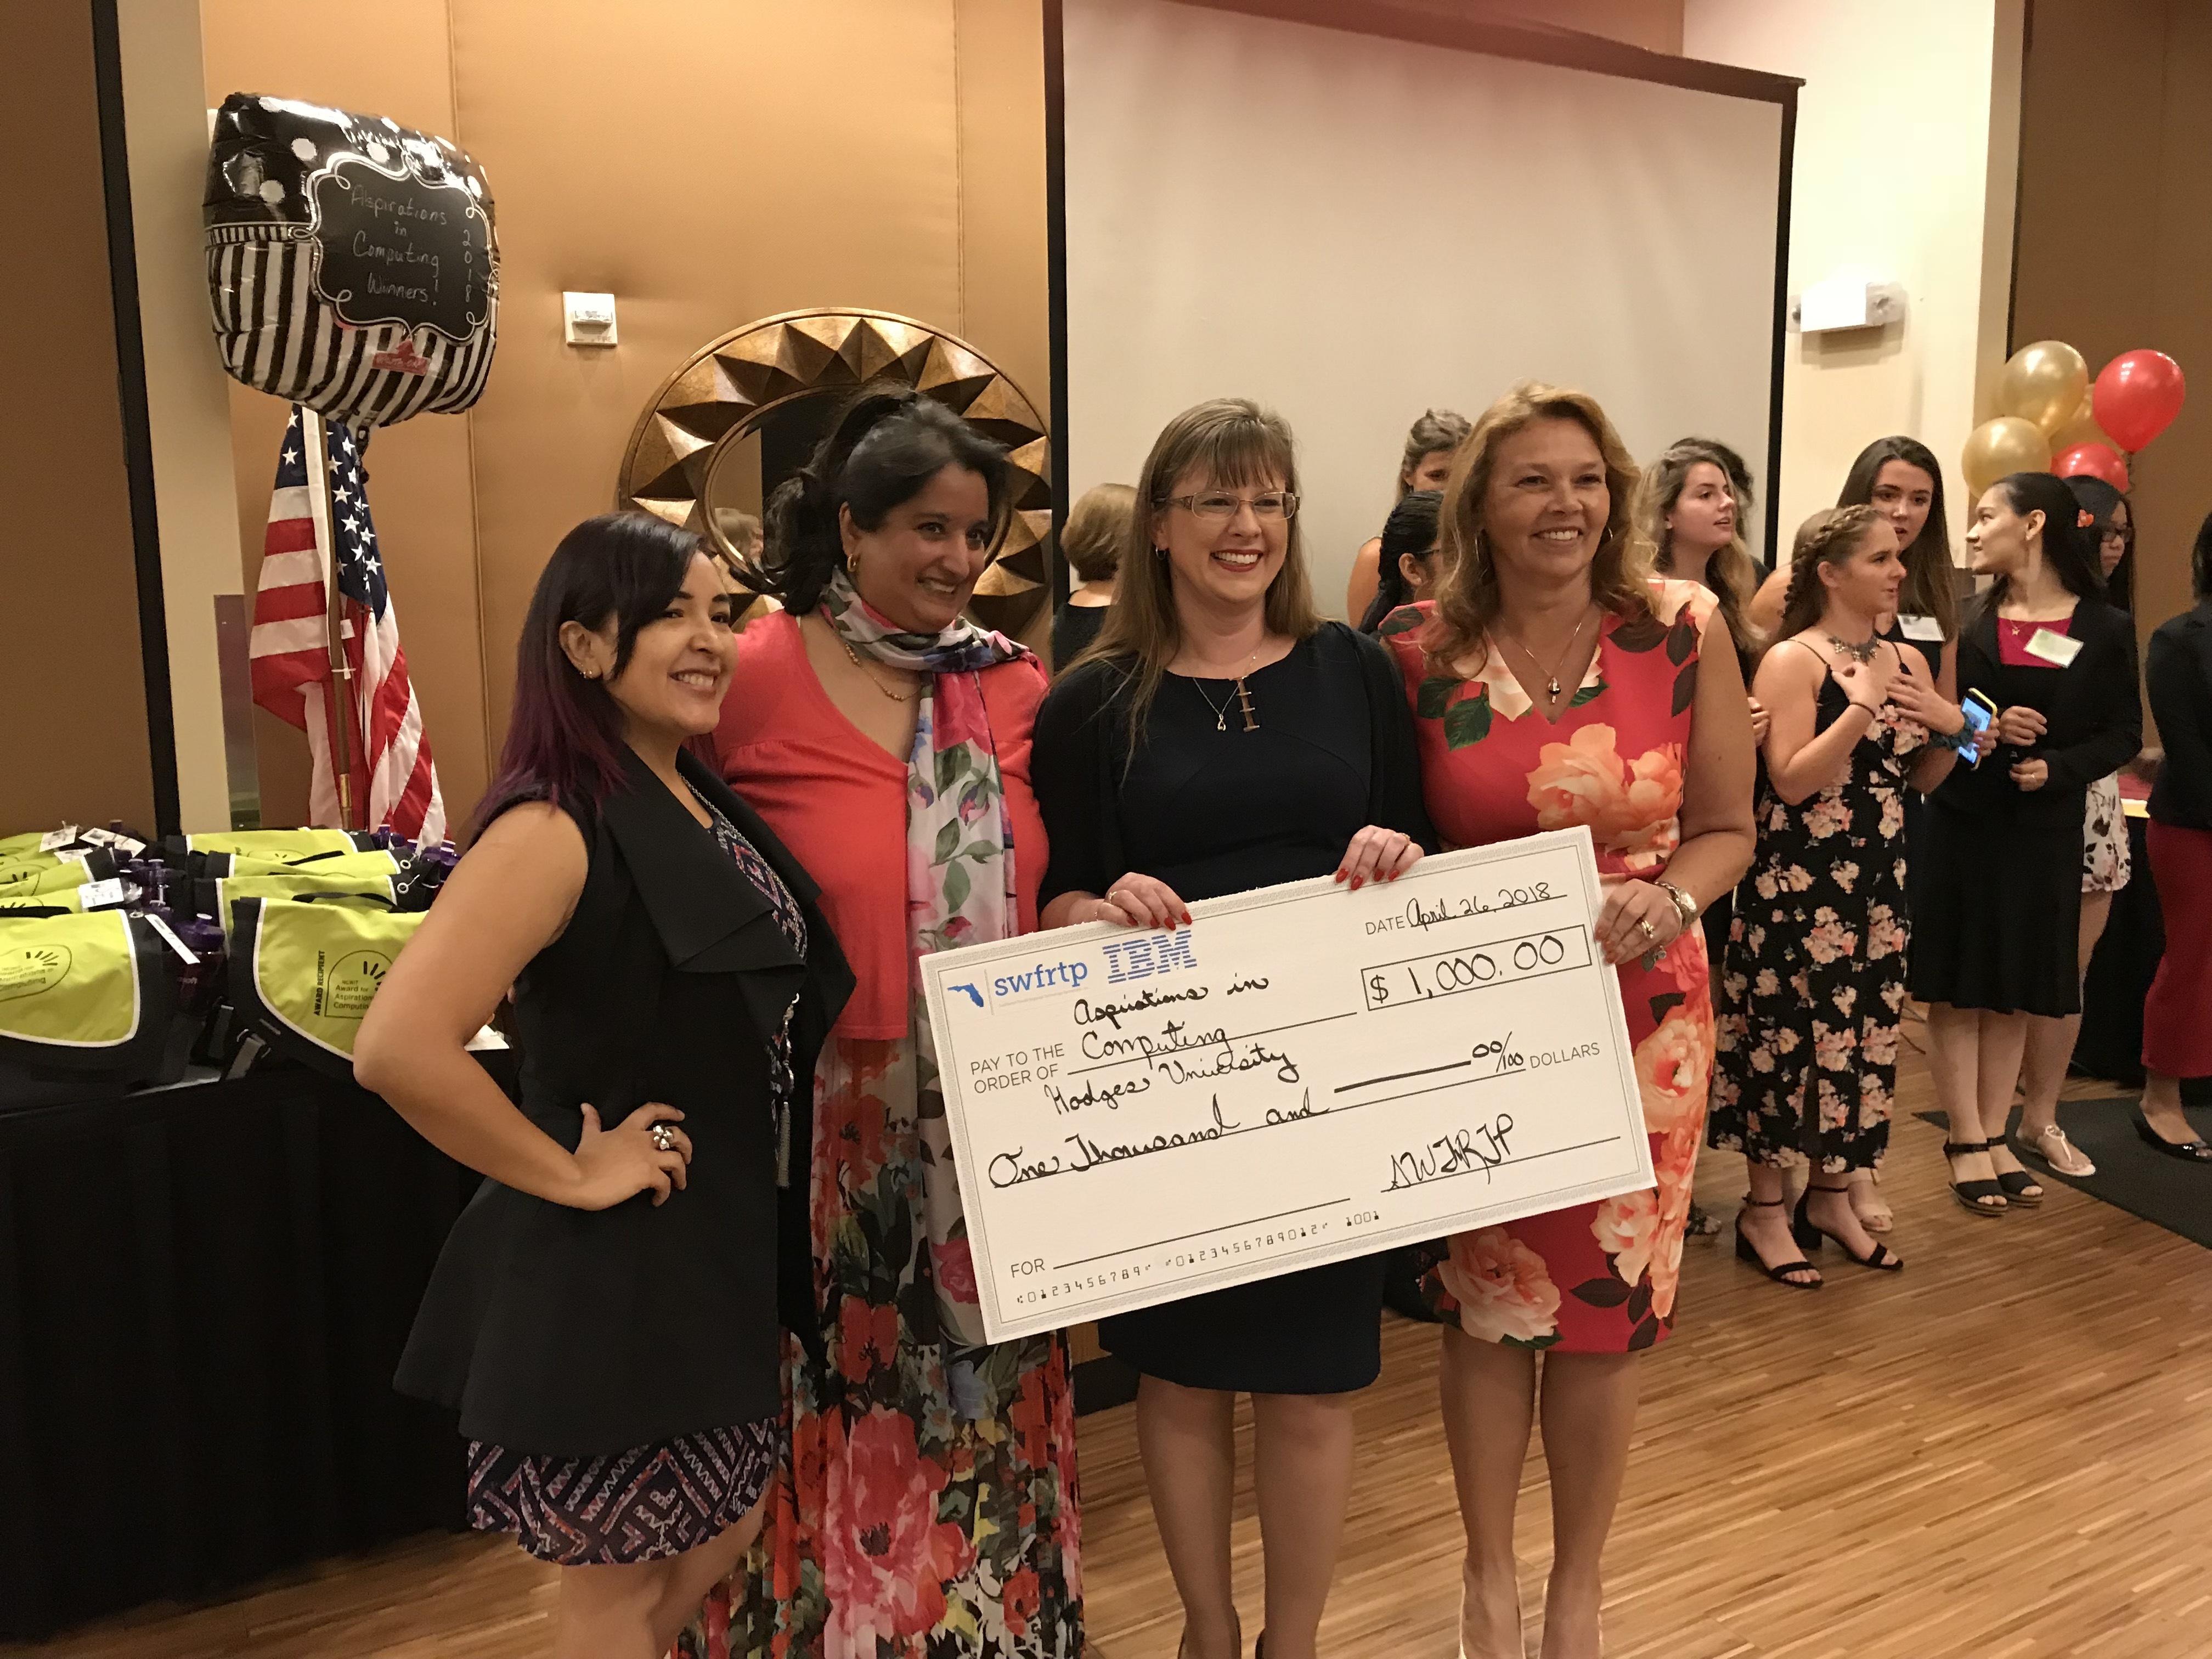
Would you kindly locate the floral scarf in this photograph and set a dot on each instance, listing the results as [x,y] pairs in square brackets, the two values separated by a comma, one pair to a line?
[959,884]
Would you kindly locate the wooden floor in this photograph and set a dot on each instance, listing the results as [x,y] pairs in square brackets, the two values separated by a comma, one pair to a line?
[2004,1452]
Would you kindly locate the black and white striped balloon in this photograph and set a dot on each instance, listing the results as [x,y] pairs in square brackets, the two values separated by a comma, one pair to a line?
[353,263]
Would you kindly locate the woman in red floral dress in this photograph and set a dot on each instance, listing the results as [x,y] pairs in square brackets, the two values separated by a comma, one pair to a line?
[926,1507]
[1555,682]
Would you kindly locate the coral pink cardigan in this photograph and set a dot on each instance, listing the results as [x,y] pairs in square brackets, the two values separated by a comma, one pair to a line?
[837,799]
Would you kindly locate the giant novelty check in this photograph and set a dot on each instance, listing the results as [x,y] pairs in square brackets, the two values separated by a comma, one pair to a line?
[1305,1074]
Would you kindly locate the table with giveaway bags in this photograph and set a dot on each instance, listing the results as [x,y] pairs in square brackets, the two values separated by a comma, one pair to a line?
[212,1242]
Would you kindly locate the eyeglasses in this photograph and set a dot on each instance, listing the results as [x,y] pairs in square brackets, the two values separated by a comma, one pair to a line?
[1217,506]
[2112,533]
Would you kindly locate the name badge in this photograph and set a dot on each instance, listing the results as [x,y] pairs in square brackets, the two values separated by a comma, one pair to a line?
[2058,649]
[1926,629]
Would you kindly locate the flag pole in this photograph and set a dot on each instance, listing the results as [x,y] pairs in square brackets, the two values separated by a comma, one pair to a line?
[339,710]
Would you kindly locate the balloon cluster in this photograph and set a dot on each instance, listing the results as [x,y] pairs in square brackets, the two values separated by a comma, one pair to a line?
[2052,418]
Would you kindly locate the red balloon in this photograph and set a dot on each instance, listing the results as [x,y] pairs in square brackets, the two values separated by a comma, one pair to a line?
[2136,397]
[2093,461]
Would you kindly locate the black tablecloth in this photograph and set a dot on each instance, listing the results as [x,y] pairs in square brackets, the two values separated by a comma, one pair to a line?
[204,1291]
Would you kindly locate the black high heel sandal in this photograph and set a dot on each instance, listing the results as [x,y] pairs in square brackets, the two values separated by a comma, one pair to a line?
[1971,1193]
[1809,1233]
[1747,1251]
[2016,1182]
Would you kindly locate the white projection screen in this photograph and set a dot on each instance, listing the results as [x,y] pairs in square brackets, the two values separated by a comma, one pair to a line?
[1352,229]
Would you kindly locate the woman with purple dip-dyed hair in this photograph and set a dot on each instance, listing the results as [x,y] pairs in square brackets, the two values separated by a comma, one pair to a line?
[672,978]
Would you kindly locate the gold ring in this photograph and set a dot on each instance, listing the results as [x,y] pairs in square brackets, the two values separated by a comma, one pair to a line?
[1649,932]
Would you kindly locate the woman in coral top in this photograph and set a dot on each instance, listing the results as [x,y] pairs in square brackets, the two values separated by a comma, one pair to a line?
[1555,682]
[926,1502]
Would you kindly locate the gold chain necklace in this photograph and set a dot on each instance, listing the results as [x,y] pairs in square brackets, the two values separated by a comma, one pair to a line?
[869,674]
[1551,687]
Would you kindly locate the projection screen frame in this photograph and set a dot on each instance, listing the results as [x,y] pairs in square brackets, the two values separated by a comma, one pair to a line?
[1410,20]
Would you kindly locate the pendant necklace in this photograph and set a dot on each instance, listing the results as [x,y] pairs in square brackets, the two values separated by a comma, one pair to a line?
[1551,687]
[1862,652]
[1241,698]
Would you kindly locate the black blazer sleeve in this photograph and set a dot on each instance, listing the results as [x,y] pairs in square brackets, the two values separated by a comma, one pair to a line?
[1394,787]
[1072,769]
[2179,676]
[2107,727]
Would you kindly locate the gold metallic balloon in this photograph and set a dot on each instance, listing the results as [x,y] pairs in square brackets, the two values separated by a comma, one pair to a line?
[2043,383]
[2008,444]
[2080,428]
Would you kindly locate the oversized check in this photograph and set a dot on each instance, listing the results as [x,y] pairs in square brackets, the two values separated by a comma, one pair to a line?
[1305,1074]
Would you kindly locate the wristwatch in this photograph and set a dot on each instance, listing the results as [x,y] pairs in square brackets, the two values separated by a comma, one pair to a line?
[1685,906]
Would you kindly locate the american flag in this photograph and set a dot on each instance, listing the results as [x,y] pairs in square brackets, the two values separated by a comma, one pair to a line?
[388,751]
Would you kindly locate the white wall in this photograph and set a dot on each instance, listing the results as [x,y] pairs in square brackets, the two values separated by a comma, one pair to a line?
[1908,138]
[1238,224]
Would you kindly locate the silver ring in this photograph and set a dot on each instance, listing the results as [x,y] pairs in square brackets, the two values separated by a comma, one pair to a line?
[663,1137]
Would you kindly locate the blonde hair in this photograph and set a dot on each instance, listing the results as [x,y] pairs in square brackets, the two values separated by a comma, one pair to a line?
[1467,598]
[1226,442]
[1731,573]
[1097,524]
[1827,537]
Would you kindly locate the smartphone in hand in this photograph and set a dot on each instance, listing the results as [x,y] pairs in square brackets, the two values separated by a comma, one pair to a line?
[1981,714]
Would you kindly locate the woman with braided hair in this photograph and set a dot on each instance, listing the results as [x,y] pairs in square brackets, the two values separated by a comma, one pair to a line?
[1813,979]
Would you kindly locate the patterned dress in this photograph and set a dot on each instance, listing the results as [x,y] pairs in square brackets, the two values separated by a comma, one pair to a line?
[926,1505]
[1813,980]
[1595,1277]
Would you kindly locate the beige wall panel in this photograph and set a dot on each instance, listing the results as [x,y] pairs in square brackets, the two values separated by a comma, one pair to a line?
[420,469]
[708,164]
[1004,277]
[2116,233]
[71,678]
[2174,481]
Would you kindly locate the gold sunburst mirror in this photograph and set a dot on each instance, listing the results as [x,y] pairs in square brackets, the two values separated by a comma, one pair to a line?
[746,410]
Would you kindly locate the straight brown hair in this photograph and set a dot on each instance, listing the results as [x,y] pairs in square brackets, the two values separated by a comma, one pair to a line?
[1227,443]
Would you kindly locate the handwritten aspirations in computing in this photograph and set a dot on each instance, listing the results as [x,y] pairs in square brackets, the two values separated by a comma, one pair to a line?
[400,250]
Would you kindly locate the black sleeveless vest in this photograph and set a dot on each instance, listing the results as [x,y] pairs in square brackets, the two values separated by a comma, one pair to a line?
[560,1331]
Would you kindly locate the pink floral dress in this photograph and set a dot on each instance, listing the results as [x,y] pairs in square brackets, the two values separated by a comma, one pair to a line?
[1597,1277]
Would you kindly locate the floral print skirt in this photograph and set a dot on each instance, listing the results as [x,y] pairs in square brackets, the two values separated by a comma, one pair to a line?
[1601,1278]
[2105,860]
[926,1505]
[1813,985]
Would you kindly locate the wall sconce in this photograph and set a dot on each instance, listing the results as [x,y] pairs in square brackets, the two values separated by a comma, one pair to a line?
[1846,303]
